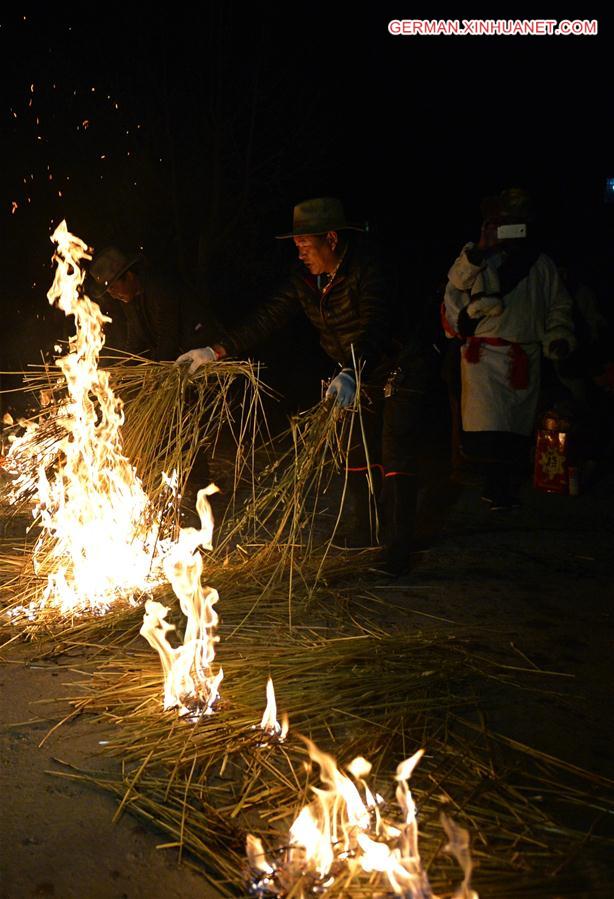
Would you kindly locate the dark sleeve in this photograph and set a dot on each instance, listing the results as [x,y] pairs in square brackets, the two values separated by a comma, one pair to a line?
[134,339]
[373,336]
[265,321]
[166,320]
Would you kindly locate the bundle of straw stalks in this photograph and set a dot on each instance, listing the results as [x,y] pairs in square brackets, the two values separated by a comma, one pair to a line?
[169,418]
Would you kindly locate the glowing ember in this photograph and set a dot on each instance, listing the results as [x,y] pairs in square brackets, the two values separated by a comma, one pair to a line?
[189,682]
[269,724]
[340,834]
[99,534]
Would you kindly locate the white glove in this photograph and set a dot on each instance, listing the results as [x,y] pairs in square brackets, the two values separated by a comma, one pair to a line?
[342,388]
[198,357]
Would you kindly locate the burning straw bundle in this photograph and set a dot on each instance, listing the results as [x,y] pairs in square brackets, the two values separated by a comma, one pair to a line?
[166,421]
[93,502]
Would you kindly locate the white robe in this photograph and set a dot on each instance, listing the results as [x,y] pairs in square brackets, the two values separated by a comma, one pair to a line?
[536,312]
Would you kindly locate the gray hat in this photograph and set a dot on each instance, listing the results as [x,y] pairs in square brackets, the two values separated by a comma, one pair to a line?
[318,217]
[107,266]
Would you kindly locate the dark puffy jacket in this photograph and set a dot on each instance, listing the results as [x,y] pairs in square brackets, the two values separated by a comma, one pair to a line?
[153,318]
[354,312]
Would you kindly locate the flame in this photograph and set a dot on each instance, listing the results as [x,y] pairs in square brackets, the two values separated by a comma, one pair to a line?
[340,833]
[189,683]
[94,512]
[458,846]
[329,824]
[269,723]
[256,855]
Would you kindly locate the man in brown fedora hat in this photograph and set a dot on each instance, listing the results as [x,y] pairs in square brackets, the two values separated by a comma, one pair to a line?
[340,288]
[350,312]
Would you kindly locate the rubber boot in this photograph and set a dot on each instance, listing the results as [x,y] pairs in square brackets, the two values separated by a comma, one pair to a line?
[399,502]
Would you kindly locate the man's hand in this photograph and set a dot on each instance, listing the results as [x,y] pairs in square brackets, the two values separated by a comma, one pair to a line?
[342,388]
[198,357]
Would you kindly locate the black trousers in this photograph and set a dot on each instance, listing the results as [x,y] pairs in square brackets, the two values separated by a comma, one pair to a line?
[392,427]
[501,457]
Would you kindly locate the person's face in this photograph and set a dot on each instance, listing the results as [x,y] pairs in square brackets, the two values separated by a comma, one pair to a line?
[125,288]
[317,251]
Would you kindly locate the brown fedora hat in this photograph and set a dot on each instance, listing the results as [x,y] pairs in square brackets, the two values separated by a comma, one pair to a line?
[318,216]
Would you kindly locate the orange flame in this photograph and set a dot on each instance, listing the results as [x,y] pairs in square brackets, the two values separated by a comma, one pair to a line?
[91,503]
[256,856]
[189,683]
[340,833]
[458,846]
[269,723]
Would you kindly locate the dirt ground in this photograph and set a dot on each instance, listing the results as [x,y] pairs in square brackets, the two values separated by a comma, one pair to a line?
[57,836]
[537,582]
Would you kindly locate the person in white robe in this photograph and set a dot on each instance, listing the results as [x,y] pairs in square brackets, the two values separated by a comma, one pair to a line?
[507,302]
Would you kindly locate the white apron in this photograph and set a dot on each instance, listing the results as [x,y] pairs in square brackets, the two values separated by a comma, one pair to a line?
[488,401]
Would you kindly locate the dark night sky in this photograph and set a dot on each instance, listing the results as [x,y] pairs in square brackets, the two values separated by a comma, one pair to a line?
[202,129]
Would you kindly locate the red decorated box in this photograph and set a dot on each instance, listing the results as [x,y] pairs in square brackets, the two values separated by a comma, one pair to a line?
[551,461]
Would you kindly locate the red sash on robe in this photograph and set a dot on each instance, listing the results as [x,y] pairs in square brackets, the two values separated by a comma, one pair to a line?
[519,368]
